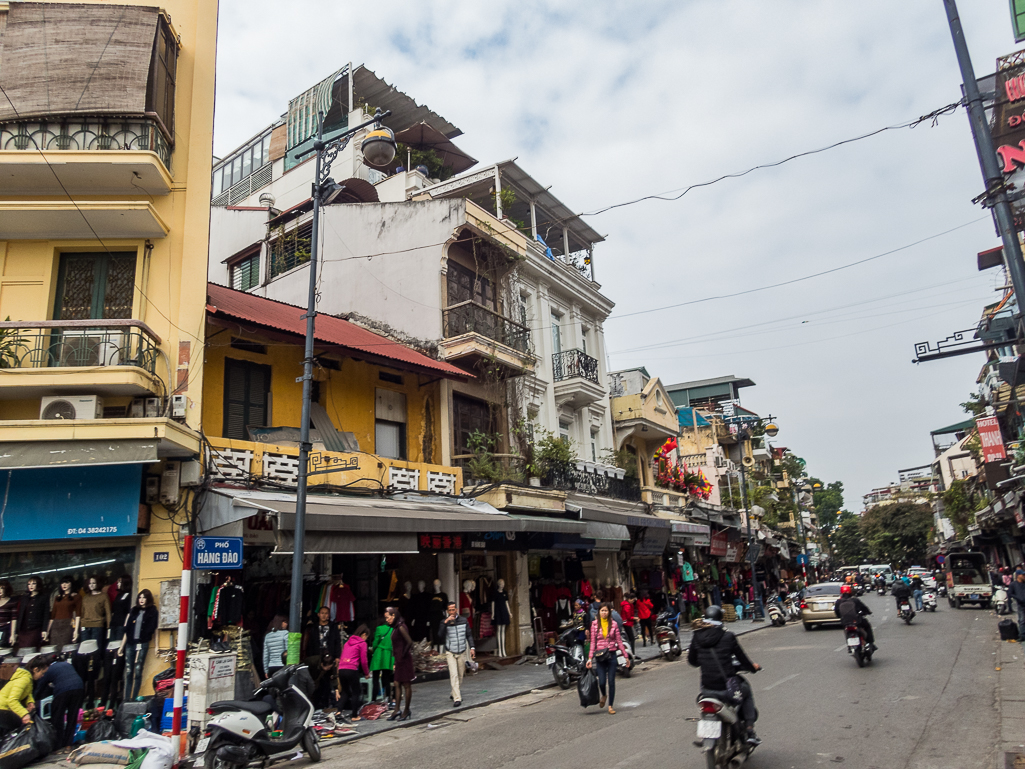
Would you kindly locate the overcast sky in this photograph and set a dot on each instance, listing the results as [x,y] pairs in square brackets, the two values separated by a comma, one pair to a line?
[609,101]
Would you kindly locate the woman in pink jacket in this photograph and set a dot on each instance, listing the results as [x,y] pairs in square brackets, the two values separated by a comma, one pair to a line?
[351,665]
[605,642]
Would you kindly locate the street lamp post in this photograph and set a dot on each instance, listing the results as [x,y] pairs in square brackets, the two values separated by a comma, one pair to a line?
[755,617]
[378,149]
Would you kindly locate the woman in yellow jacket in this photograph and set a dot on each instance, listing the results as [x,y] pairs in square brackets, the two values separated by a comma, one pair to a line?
[16,702]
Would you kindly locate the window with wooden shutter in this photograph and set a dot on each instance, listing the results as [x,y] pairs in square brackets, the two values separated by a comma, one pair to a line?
[246,396]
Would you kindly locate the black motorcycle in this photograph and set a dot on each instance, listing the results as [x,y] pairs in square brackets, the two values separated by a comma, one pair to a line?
[857,645]
[667,636]
[722,733]
[566,657]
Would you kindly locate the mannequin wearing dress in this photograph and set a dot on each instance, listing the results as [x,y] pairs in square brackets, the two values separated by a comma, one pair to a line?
[439,602]
[500,614]
[466,600]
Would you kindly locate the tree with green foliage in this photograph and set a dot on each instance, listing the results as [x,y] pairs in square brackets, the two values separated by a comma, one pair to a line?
[828,501]
[898,533]
[847,540]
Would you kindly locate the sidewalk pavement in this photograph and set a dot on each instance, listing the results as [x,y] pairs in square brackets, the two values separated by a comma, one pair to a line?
[1010,664]
[431,699]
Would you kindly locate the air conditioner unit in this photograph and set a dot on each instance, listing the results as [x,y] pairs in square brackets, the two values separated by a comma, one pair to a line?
[71,407]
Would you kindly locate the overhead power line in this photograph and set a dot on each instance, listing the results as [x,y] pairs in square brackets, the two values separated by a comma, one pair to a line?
[668,196]
[847,266]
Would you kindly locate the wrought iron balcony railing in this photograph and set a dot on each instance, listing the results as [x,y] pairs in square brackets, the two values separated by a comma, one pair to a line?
[594,482]
[78,344]
[574,363]
[78,132]
[469,317]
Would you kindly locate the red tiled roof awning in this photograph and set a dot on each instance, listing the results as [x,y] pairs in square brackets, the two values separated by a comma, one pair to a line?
[348,337]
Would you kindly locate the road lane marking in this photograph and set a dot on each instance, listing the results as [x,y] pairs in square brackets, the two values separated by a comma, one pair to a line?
[840,648]
[781,681]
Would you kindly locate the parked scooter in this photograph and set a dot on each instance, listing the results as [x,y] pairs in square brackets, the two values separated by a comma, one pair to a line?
[240,732]
[906,613]
[929,601]
[667,636]
[793,607]
[775,611]
[625,664]
[857,645]
[566,657]
[722,734]
[1001,601]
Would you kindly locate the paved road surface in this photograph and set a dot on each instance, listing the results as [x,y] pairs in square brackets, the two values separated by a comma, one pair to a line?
[926,702]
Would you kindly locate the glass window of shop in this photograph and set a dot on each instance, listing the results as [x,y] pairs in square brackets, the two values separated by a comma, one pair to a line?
[50,565]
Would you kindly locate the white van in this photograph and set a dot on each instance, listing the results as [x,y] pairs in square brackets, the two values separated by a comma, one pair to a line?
[879,568]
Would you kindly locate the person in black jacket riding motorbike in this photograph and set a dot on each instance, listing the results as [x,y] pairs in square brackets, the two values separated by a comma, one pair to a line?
[851,610]
[713,649]
[901,591]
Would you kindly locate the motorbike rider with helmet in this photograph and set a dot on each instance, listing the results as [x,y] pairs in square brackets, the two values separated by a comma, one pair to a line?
[712,648]
[852,610]
[901,591]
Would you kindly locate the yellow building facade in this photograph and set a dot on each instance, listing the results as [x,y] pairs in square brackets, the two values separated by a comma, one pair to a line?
[105,159]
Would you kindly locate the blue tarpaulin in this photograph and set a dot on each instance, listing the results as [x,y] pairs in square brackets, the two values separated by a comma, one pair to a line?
[688,415]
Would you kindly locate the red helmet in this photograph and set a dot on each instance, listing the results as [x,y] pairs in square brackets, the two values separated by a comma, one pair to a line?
[845,590]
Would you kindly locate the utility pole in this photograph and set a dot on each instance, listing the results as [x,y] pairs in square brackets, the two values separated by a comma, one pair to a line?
[996,193]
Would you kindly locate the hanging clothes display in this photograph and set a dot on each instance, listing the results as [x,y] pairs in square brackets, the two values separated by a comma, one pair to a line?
[342,602]
[226,605]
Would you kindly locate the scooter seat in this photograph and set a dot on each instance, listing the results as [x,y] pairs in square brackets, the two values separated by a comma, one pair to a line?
[256,707]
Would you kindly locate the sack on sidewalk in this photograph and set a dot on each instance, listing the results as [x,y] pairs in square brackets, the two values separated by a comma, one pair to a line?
[1008,630]
[587,688]
[101,753]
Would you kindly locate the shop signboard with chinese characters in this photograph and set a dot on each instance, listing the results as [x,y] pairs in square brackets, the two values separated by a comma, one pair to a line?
[991,438]
[1008,126]
[441,543]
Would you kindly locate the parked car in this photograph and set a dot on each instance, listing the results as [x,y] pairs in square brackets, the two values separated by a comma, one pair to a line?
[817,607]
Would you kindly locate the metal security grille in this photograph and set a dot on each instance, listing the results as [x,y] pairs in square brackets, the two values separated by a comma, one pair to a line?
[95,286]
[290,249]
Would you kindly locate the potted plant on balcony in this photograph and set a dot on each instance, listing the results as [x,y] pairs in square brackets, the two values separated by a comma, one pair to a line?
[11,344]
[546,456]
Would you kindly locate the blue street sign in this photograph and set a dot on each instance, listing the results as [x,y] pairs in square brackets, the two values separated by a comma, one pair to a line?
[217,553]
[802,559]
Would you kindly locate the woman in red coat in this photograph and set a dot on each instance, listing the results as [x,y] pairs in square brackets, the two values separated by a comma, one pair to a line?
[626,610]
[605,642]
[646,615]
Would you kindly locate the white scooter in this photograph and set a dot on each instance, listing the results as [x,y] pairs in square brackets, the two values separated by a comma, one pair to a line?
[1001,602]
[240,731]
[929,600]
[776,615]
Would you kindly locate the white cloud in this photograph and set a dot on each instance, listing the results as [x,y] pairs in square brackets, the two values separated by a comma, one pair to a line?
[608,101]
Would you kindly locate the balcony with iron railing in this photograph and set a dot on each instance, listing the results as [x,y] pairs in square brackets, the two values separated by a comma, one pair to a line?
[576,378]
[594,480]
[105,357]
[475,333]
[85,155]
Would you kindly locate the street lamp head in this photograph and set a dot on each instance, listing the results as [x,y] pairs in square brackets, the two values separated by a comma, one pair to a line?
[379,145]
[771,430]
